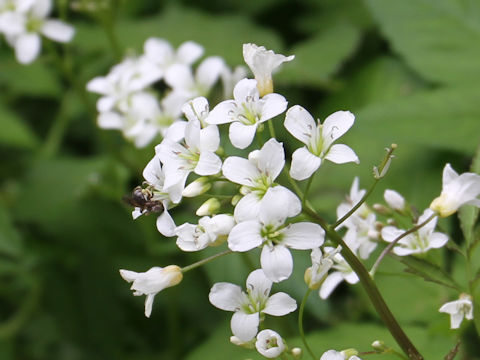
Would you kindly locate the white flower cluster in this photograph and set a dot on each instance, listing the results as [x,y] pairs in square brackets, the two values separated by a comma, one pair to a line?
[263,214]
[131,104]
[22,22]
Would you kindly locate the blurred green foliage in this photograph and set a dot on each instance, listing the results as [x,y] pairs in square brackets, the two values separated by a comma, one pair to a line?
[409,71]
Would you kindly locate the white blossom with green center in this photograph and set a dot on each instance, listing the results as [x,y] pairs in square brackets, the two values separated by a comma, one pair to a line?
[23,21]
[270,231]
[257,174]
[246,112]
[318,139]
[343,272]
[418,242]
[249,306]
[458,309]
[196,154]
[269,343]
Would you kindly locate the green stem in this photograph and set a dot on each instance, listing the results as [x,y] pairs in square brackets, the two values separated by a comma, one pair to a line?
[381,170]
[300,324]
[397,239]
[307,189]
[271,128]
[370,287]
[205,261]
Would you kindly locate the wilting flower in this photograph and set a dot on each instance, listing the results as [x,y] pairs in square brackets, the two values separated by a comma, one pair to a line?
[246,112]
[153,281]
[419,241]
[458,309]
[262,62]
[249,306]
[269,343]
[457,190]
[321,264]
[318,139]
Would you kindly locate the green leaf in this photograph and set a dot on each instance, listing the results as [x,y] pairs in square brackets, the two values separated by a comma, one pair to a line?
[320,57]
[14,132]
[36,79]
[439,38]
[428,271]
[10,241]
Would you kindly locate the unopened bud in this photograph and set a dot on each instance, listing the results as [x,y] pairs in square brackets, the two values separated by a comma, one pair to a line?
[245,344]
[297,353]
[197,187]
[209,207]
[348,353]
[379,345]
[394,200]
[382,209]
[236,199]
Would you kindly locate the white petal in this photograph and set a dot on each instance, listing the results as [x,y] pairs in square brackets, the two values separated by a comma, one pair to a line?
[248,208]
[27,47]
[99,85]
[273,105]
[158,50]
[337,124]
[166,225]
[271,159]
[209,138]
[110,120]
[340,154]
[128,275]
[277,262]
[244,326]
[245,236]
[208,164]
[455,320]
[330,283]
[245,89]
[303,236]
[280,304]
[390,233]
[57,30]
[189,52]
[208,72]
[259,284]
[437,240]
[240,170]
[304,164]
[225,296]
[220,113]
[300,123]
[394,199]
[176,131]
[332,355]
[148,304]
[448,175]
[179,77]
[241,135]
[275,206]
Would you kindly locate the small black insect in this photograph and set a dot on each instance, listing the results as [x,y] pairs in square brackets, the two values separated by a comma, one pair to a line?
[143,198]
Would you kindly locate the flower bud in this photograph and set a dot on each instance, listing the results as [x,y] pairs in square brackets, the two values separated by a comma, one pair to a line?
[348,353]
[197,187]
[235,200]
[394,200]
[270,344]
[245,344]
[297,353]
[209,207]
[379,346]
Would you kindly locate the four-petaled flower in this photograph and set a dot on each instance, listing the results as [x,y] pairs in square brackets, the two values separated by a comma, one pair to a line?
[270,231]
[318,139]
[269,343]
[249,307]
[246,112]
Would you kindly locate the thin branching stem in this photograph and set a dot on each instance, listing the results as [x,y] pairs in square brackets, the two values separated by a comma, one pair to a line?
[205,261]
[300,324]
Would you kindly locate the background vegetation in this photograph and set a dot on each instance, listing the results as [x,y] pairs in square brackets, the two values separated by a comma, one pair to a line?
[409,70]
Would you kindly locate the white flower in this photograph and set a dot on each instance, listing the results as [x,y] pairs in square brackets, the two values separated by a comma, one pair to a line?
[269,343]
[197,109]
[209,231]
[182,80]
[338,355]
[197,154]
[257,175]
[269,230]
[394,200]
[230,78]
[153,281]
[155,176]
[457,190]
[418,242]
[318,139]
[23,23]
[262,62]
[343,272]
[458,309]
[130,76]
[246,112]
[362,235]
[321,264]
[161,53]
[248,307]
